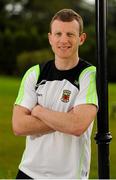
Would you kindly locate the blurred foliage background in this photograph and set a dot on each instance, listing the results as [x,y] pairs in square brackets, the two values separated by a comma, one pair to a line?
[24,25]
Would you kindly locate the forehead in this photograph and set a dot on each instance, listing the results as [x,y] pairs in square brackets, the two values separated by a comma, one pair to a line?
[59,25]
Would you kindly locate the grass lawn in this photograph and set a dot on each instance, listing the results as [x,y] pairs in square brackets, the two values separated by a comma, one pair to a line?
[11,147]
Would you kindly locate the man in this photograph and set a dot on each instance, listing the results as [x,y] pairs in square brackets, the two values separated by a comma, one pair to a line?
[56,106]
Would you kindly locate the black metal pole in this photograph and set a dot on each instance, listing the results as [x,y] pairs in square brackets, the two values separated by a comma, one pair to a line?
[103,135]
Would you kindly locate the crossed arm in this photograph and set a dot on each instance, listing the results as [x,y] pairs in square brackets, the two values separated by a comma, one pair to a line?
[42,120]
[24,123]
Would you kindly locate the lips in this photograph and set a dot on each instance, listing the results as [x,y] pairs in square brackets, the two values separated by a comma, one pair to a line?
[64,47]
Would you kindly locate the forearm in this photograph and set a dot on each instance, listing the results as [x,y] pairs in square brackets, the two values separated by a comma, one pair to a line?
[74,122]
[26,124]
[59,121]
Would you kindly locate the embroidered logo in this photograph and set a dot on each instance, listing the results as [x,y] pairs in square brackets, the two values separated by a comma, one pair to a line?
[76,83]
[65,96]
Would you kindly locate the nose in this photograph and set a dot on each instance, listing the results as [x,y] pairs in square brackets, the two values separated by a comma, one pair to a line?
[64,38]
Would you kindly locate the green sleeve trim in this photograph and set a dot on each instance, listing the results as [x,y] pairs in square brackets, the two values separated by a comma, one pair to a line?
[35,68]
[88,69]
[91,96]
[91,93]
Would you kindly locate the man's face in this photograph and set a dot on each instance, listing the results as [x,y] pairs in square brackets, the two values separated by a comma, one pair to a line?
[64,38]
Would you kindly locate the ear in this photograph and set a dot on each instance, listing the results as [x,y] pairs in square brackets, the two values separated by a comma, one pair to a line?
[49,38]
[82,38]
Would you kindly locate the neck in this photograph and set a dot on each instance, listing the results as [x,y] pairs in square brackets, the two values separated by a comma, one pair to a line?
[65,64]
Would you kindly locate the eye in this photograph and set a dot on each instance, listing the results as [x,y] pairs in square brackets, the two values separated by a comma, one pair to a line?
[58,34]
[70,34]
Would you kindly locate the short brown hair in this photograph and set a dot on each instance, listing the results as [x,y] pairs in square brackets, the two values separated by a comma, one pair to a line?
[68,15]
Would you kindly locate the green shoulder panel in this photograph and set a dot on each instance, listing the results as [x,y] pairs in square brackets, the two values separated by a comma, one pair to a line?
[91,96]
[35,69]
[88,69]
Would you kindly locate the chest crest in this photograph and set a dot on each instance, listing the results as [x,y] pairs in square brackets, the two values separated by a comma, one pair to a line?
[65,96]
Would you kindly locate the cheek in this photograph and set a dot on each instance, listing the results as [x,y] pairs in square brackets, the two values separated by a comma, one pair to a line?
[76,42]
[53,42]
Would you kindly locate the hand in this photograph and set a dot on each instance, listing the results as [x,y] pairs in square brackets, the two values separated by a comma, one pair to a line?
[35,111]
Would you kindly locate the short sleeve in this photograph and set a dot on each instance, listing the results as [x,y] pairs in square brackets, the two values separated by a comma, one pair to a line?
[87,82]
[27,95]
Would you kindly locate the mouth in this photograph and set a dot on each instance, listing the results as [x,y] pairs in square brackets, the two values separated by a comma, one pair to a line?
[64,47]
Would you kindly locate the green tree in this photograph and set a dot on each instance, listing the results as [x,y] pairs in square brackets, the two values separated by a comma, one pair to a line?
[24,25]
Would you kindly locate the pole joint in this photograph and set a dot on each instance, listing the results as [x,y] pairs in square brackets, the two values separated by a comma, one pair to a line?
[103,138]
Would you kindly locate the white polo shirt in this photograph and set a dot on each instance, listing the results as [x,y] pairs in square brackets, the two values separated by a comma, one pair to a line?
[58,155]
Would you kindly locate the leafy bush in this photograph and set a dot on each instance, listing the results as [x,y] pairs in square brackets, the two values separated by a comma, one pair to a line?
[27,59]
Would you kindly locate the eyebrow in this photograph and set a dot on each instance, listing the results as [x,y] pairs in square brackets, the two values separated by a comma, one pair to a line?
[69,32]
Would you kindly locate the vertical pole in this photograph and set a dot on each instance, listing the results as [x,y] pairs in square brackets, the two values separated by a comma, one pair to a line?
[103,136]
